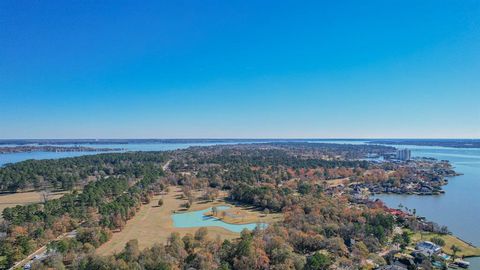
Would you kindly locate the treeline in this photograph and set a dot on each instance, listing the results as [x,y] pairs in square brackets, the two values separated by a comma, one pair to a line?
[255,164]
[66,173]
[274,199]
[267,155]
[346,151]
[280,158]
[103,206]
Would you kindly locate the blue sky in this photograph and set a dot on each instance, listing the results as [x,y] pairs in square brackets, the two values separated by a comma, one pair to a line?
[239,69]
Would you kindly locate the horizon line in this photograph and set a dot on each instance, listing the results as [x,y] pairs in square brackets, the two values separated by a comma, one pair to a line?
[245,138]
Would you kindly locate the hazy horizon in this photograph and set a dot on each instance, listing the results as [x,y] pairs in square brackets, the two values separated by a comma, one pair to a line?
[238,138]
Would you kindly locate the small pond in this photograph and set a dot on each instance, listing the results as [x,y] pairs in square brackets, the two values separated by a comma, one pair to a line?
[198,219]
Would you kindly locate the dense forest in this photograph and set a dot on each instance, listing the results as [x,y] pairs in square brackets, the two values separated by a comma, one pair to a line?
[67,173]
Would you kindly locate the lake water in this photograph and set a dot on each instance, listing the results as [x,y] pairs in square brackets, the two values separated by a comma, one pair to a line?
[198,219]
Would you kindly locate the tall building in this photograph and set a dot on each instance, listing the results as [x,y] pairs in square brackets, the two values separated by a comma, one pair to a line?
[404,154]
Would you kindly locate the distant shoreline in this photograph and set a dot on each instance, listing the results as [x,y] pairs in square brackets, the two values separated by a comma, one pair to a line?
[153,140]
[454,143]
[49,148]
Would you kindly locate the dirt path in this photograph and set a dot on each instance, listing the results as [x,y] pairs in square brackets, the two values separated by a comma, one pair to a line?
[165,166]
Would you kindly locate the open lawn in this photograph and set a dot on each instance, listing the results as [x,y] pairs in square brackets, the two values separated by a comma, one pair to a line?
[22,198]
[336,182]
[154,224]
[467,249]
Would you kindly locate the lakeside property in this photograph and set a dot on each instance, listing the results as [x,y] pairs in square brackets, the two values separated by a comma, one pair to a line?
[466,249]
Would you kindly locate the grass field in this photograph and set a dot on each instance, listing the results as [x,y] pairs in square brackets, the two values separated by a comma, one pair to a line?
[154,224]
[22,198]
[467,249]
[243,215]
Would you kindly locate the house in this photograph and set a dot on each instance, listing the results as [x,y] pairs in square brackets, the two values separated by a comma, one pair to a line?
[396,212]
[427,247]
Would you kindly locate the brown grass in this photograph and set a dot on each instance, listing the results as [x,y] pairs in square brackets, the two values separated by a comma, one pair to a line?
[336,182]
[23,198]
[243,215]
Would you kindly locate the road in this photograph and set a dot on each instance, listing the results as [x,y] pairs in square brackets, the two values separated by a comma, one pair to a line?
[165,166]
[42,250]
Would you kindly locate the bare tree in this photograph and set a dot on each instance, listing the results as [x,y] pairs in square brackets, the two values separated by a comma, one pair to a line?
[45,194]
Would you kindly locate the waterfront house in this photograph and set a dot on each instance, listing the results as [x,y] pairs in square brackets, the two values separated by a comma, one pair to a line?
[427,247]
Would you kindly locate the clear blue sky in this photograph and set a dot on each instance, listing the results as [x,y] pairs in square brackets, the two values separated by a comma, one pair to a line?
[197,69]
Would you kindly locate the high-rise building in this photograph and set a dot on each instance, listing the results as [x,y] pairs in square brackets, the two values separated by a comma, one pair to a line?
[404,154]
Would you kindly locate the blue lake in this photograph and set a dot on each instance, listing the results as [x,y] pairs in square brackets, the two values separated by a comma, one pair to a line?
[198,219]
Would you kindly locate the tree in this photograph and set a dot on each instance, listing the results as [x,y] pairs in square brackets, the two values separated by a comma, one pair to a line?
[304,188]
[438,241]
[118,222]
[131,252]
[176,247]
[455,249]
[191,199]
[45,195]
[318,261]
[402,239]
[201,234]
